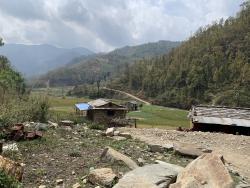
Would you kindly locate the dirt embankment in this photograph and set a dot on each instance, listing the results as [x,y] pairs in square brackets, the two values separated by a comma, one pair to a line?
[234,148]
[128,94]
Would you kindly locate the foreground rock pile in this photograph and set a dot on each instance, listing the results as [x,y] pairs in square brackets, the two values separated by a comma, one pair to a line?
[234,148]
[208,170]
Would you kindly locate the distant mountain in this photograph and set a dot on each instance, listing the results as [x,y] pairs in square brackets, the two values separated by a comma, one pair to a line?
[147,50]
[32,60]
[104,66]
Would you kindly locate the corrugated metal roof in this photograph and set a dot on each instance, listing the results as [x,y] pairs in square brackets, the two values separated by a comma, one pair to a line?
[98,102]
[221,115]
[83,106]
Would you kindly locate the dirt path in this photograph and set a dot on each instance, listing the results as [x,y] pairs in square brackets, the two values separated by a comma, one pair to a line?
[128,94]
[234,148]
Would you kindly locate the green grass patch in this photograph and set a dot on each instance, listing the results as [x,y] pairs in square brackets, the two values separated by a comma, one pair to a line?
[161,117]
[149,116]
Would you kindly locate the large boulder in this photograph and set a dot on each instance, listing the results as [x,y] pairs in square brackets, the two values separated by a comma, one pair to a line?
[206,171]
[102,176]
[111,155]
[11,168]
[155,175]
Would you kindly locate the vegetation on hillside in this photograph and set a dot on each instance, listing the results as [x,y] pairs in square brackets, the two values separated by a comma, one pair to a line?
[212,67]
[15,103]
[102,67]
[11,82]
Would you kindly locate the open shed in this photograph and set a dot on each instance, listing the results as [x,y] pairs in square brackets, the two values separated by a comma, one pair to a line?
[132,105]
[220,119]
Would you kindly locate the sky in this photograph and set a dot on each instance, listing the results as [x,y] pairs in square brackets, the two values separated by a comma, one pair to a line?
[102,25]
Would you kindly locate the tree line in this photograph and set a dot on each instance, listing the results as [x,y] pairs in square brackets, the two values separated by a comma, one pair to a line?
[212,67]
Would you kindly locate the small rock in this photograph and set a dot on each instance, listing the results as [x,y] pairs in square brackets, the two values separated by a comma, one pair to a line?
[111,155]
[126,135]
[119,138]
[156,148]
[102,176]
[77,185]
[84,177]
[203,182]
[242,185]
[159,157]
[205,150]
[73,173]
[110,131]
[91,168]
[42,186]
[141,161]
[116,133]
[234,172]
[59,181]
[52,124]
[169,147]
[84,181]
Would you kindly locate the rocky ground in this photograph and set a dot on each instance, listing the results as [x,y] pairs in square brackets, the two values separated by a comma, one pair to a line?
[69,155]
[234,148]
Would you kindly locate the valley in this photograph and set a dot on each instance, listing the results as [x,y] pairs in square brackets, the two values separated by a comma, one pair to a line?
[149,103]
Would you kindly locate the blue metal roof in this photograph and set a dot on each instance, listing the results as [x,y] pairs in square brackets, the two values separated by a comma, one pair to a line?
[83,106]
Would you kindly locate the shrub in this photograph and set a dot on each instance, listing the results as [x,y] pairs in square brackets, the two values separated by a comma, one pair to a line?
[96,126]
[39,110]
[8,182]
[21,110]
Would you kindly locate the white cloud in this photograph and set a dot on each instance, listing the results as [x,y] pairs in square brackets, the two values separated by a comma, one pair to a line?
[104,25]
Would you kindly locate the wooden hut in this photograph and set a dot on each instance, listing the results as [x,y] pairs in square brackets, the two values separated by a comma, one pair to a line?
[104,111]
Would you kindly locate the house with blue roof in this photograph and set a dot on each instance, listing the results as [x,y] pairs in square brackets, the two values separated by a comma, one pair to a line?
[101,111]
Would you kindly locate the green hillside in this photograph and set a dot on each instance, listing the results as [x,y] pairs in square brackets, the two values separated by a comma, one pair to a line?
[11,82]
[104,66]
[212,67]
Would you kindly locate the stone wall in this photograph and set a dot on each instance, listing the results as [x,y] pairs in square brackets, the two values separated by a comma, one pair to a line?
[105,116]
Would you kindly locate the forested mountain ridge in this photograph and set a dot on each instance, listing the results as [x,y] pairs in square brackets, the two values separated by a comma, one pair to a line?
[105,65]
[38,59]
[212,67]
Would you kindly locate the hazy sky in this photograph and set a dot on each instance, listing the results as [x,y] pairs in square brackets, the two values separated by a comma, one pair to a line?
[102,25]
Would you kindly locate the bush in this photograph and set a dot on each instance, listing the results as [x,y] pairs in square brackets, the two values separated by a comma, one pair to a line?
[8,182]
[21,110]
[39,110]
[96,126]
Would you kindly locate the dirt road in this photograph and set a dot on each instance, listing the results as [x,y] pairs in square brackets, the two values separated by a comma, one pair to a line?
[128,94]
[234,148]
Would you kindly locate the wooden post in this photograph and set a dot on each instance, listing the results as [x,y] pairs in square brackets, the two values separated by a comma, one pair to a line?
[1,147]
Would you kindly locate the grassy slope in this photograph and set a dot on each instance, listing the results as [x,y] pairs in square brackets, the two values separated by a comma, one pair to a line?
[162,117]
